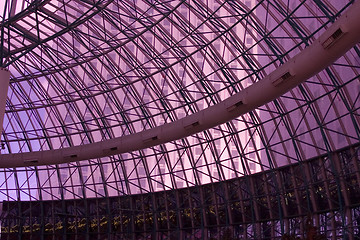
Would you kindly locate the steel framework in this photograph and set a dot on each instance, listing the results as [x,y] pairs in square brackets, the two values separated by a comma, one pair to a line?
[297,200]
[86,73]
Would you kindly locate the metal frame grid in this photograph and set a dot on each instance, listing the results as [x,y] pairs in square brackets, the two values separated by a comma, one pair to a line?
[83,71]
[319,197]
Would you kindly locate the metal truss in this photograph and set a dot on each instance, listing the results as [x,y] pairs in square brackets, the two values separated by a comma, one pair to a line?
[98,64]
[331,45]
[86,71]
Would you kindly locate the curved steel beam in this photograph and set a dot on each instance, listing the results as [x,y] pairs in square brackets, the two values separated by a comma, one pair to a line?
[332,44]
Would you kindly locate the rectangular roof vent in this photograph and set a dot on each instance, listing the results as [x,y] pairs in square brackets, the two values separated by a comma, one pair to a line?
[192,125]
[150,139]
[236,105]
[284,77]
[329,42]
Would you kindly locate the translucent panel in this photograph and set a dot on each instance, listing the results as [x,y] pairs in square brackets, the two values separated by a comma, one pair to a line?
[83,72]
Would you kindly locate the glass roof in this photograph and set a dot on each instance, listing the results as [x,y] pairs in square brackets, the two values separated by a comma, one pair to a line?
[84,71]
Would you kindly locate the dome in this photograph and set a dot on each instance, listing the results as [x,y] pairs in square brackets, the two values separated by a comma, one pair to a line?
[180,119]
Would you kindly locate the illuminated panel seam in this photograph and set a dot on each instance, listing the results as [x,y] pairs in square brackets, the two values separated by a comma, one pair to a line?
[332,44]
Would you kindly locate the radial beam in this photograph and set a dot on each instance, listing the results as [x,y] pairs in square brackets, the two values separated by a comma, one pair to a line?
[332,44]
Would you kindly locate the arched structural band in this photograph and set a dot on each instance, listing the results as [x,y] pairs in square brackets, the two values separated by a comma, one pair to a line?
[332,44]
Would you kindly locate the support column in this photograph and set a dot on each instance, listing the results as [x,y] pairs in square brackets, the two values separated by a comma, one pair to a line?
[4,85]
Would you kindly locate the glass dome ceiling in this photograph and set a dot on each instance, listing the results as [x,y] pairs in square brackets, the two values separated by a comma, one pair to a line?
[86,71]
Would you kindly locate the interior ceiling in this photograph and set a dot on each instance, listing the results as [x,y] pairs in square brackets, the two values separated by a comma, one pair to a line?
[83,71]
